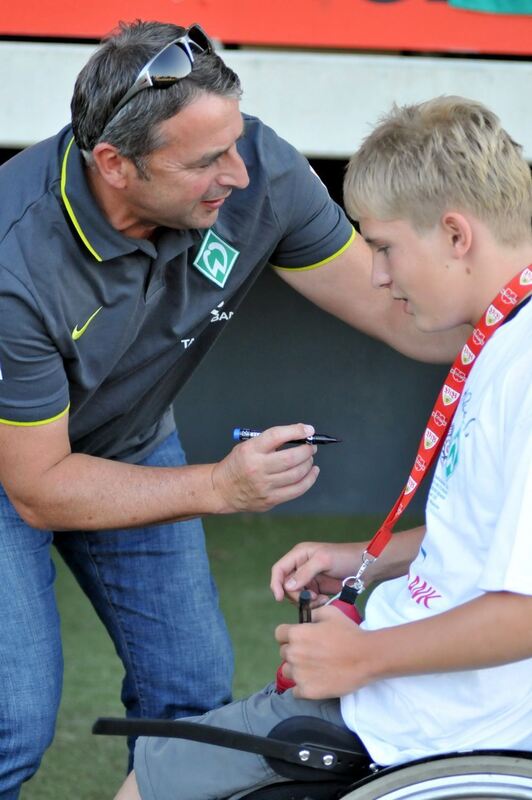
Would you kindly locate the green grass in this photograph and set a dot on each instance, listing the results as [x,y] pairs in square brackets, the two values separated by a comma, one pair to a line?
[242,550]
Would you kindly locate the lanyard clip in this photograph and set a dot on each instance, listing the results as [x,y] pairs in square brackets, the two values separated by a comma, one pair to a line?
[367,559]
[353,585]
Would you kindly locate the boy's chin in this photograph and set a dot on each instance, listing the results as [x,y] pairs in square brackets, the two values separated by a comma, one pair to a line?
[425,325]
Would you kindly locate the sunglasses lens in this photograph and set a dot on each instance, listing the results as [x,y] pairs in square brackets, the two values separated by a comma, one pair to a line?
[169,66]
[198,39]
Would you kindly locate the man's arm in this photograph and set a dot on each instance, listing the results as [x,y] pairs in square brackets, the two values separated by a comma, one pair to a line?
[53,488]
[343,288]
[334,657]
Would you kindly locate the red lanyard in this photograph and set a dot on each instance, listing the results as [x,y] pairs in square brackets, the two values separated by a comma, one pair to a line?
[443,412]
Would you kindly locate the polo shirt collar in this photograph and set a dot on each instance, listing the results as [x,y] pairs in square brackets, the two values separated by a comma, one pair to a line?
[90,224]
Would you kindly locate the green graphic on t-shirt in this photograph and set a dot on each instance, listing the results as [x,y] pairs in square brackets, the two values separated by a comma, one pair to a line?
[452,454]
[216,258]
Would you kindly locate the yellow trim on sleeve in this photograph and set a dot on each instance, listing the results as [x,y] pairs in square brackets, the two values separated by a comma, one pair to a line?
[325,260]
[70,210]
[34,424]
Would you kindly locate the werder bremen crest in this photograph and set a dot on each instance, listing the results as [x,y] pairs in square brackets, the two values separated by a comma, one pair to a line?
[216,258]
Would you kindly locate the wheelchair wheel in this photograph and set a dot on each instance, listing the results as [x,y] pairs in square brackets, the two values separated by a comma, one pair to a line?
[467,777]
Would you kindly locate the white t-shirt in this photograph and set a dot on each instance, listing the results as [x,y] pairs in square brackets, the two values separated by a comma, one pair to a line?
[479,539]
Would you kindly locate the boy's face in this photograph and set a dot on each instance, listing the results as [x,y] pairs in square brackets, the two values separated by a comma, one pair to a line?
[419,270]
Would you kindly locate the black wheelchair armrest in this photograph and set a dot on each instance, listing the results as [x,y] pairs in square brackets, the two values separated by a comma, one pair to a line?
[301,743]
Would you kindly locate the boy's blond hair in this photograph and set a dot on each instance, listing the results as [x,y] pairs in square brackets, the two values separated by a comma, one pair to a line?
[450,152]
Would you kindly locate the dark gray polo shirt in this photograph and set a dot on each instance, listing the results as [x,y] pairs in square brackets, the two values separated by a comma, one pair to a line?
[109,328]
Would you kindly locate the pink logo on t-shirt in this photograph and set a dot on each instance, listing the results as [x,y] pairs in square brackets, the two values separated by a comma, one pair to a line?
[421,592]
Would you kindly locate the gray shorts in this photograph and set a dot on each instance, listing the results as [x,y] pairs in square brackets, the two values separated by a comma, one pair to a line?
[177,769]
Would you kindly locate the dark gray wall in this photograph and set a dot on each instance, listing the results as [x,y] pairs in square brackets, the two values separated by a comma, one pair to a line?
[281,360]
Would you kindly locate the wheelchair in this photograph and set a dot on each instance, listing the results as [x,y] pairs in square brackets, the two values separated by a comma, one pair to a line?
[313,765]
[479,775]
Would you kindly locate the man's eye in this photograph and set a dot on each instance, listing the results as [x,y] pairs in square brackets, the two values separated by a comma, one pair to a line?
[210,162]
[384,249]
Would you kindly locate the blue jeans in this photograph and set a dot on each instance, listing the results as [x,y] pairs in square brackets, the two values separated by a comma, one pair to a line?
[153,591]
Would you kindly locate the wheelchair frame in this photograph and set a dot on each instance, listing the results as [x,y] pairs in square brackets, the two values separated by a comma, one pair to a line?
[471,775]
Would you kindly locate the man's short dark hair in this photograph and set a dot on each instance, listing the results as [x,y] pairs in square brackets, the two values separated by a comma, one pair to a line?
[111,71]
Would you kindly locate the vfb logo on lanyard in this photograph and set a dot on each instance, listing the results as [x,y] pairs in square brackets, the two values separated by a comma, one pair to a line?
[216,258]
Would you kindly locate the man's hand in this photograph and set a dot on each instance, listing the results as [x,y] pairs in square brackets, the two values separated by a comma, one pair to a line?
[257,475]
[325,658]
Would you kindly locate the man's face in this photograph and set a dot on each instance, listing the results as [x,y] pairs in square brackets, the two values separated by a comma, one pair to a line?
[420,272]
[197,168]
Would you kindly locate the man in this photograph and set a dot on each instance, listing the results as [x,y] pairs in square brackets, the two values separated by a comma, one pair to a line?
[443,660]
[125,230]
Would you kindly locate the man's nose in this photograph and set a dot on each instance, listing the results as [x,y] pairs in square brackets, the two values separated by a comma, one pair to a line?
[234,173]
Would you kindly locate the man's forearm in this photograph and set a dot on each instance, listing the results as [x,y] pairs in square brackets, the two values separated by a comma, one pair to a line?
[52,488]
[87,493]
[343,288]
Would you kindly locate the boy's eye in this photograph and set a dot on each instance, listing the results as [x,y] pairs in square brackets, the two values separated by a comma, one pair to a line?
[384,249]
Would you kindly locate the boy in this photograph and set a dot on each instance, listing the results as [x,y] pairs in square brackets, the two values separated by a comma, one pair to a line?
[443,660]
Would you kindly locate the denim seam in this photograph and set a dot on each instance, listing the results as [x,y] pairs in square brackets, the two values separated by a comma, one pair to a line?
[120,626]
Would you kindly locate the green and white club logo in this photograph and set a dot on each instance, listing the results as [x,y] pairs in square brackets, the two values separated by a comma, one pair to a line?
[216,258]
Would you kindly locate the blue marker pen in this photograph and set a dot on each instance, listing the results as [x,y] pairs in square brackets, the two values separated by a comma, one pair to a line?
[242,434]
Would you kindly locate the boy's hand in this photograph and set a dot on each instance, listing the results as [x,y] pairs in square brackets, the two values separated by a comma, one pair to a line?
[322,566]
[317,566]
[325,659]
[333,656]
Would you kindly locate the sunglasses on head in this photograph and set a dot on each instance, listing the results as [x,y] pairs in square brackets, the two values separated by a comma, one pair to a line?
[169,65]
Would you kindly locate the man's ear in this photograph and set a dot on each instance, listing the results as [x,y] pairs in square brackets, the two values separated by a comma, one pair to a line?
[459,233]
[112,166]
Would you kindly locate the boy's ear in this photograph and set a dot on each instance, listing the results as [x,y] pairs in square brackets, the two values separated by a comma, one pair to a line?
[459,233]
[111,165]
